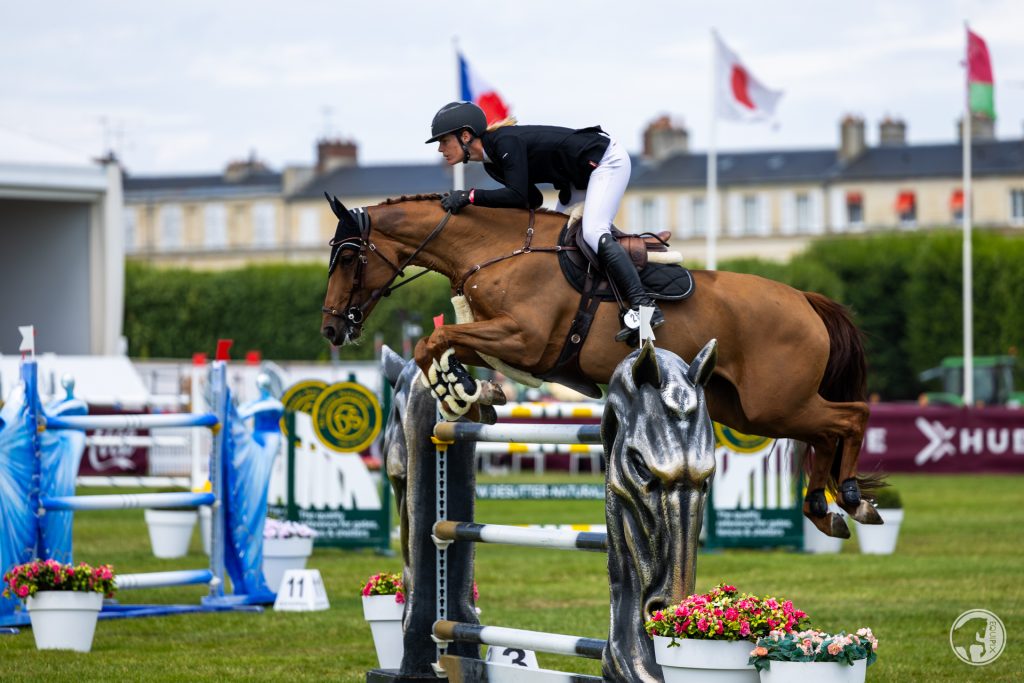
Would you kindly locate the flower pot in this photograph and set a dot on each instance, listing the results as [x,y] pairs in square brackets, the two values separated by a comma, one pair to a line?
[880,539]
[385,617]
[64,620]
[170,531]
[717,661]
[815,672]
[206,528]
[282,554]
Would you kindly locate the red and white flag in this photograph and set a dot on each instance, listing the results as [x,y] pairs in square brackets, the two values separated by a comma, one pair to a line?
[741,97]
[481,93]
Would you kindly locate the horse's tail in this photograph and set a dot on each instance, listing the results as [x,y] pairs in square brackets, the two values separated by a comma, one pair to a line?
[846,373]
[845,377]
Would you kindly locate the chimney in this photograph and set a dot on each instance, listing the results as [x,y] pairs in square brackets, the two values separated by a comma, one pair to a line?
[238,171]
[663,138]
[982,128]
[851,138]
[892,133]
[335,153]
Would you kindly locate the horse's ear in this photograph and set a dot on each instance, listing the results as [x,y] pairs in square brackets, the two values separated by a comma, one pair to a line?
[703,365]
[645,367]
[392,364]
[339,209]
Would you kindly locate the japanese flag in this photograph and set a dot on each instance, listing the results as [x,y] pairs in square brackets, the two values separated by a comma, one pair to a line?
[741,97]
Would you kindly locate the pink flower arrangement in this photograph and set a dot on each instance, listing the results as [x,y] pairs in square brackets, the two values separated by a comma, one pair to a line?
[724,613]
[385,583]
[814,646]
[25,580]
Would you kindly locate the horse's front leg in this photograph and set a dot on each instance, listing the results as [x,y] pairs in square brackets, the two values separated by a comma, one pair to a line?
[442,354]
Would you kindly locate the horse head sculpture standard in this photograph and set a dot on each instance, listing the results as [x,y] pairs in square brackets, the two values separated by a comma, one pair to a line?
[660,449]
[790,365]
[409,460]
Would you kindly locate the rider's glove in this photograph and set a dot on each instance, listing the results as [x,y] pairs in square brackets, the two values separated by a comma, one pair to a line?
[454,201]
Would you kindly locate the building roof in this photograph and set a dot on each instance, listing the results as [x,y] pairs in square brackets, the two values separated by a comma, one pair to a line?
[682,169]
[685,169]
[391,180]
[988,158]
[201,186]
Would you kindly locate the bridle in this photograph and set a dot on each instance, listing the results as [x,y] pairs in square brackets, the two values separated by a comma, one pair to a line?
[360,242]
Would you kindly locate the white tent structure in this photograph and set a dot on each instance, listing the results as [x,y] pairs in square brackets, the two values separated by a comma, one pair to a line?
[61,248]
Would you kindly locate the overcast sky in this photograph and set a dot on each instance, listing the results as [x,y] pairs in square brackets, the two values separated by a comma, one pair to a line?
[185,86]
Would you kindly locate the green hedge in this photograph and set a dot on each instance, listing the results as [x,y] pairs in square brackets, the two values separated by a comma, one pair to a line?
[905,293]
[172,313]
[904,290]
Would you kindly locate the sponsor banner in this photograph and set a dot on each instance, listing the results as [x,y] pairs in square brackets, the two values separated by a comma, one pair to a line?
[911,438]
[540,491]
[112,459]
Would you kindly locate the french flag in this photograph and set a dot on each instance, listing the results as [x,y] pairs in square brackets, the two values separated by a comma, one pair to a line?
[480,92]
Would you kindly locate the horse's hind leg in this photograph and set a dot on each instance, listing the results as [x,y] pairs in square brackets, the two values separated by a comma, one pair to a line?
[849,497]
[815,504]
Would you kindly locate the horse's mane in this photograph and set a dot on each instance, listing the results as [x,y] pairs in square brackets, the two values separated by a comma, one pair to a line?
[436,197]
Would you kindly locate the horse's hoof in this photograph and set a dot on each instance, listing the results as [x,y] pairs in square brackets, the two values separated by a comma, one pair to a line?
[492,394]
[488,415]
[832,525]
[864,513]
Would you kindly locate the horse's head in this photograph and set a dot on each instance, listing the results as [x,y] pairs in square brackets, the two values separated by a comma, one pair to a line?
[660,447]
[358,276]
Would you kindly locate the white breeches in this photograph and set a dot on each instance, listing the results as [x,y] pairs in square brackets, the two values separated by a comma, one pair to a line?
[603,194]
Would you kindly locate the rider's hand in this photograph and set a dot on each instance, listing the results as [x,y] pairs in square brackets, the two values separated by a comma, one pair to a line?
[454,201]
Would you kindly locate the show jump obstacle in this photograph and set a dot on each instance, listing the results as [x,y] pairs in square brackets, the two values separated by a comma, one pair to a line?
[656,413]
[40,450]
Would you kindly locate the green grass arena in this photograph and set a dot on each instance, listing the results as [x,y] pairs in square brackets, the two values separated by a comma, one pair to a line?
[960,548]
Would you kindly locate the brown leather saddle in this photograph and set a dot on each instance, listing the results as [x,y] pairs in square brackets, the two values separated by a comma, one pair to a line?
[582,270]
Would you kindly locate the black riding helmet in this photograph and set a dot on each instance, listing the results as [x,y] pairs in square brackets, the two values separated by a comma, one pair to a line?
[454,117]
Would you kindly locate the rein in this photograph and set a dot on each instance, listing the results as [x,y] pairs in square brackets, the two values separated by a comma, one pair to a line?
[362,242]
[527,248]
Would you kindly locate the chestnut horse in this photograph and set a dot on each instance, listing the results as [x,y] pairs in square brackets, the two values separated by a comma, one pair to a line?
[790,363]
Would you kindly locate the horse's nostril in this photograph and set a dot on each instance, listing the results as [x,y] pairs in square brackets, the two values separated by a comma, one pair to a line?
[329,332]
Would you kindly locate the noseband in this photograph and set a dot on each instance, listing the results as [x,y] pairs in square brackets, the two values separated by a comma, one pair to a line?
[361,243]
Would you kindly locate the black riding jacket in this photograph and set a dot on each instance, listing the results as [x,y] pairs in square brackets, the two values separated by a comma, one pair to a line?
[522,156]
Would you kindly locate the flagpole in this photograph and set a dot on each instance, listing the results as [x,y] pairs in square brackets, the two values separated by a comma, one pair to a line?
[459,174]
[968,274]
[712,187]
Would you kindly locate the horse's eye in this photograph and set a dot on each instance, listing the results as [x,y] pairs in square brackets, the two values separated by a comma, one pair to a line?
[347,257]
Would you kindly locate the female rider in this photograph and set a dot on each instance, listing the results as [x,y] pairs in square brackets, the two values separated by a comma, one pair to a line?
[584,163]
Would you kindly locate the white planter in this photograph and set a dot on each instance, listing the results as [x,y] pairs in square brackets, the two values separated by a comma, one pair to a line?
[385,618]
[717,661]
[818,542]
[815,672]
[64,620]
[170,531]
[880,539]
[206,528]
[282,554]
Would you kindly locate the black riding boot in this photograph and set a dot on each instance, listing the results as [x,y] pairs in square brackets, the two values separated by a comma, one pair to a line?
[619,267]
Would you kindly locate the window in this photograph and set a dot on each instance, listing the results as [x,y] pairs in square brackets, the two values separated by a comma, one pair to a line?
[803,212]
[751,214]
[264,228]
[130,229]
[1017,207]
[171,227]
[309,227]
[699,216]
[854,209]
[906,209]
[215,223]
[956,205]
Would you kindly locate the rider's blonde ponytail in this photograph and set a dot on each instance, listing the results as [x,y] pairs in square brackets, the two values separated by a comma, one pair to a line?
[508,121]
